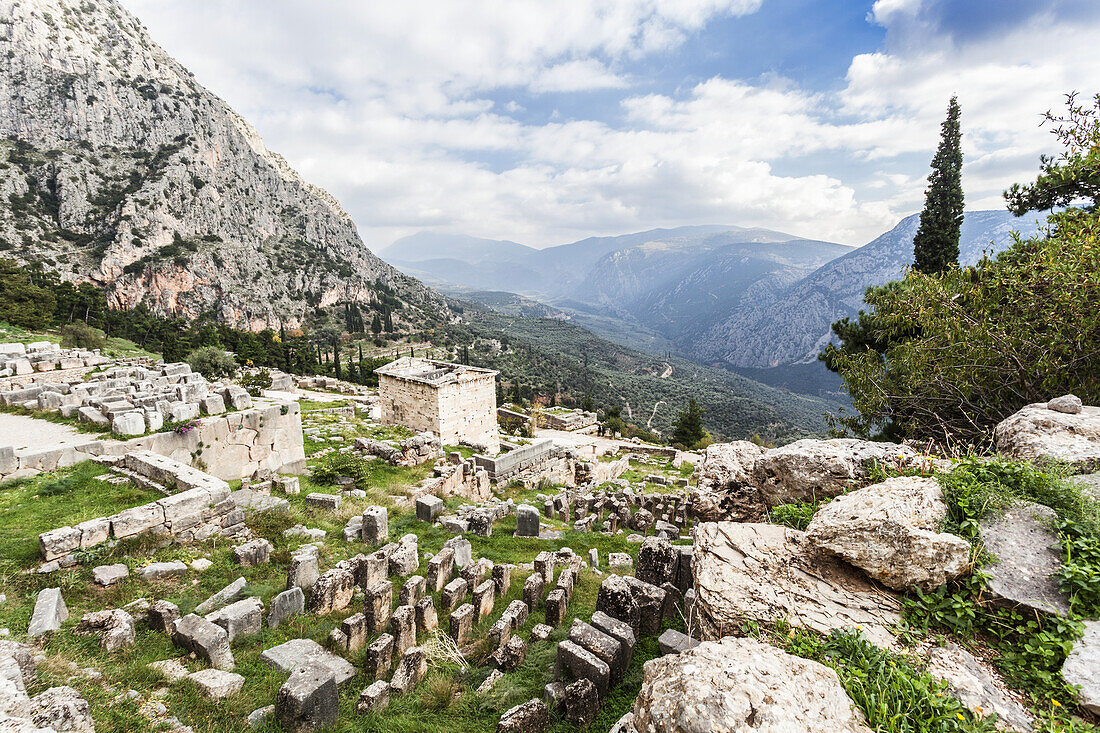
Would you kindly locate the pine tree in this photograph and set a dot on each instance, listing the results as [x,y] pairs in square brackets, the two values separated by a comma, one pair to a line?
[689,425]
[936,246]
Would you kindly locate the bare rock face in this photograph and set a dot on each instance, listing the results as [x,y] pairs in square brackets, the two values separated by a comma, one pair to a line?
[976,688]
[136,177]
[807,470]
[727,488]
[765,573]
[889,531]
[1060,430]
[741,684]
[1028,553]
[1082,667]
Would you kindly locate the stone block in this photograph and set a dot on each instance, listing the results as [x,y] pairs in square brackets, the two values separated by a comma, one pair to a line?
[657,561]
[532,716]
[128,423]
[303,570]
[162,614]
[332,592]
[582,703]
[510,655]
[298,653]
[528,523]
[378,658]
[412,591]
[482,598]
[557,605]
[290,602]
[428,508]
[502,579]
[376,528]
[462,624]
[226,595]
[217,684]
[544,565]
[464,551]
[355,632]
[49,613]
[58,542]
[532,591]
[405,558]
[207,640]
[309,699]
[240,618]
[440,569]
[374,698]
[651,605]
[604,646]
[288,485]
[254,552]
[162,570]
[574,662]
[137,520]
[328,502]
[411,669]
[93,532]
[212,404]
[621,632]
[377,606]
[403,629]
[426,617]
[108,575]
[672,641]
[454,593]
[616,599]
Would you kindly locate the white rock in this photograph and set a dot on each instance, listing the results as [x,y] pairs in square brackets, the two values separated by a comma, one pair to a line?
[743,685]
[216,683]
[974,685]
[1082,667]
[889,530]
[1038,433]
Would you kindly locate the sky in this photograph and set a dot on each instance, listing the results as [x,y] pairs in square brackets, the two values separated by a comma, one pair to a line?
[546,122]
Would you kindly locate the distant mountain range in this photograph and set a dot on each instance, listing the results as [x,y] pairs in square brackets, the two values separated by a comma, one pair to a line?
[743,297]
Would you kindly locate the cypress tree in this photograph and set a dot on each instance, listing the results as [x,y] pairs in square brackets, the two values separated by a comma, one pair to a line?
[689,425]
[936,246]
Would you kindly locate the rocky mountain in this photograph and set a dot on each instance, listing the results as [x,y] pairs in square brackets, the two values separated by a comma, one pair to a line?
[793,325]
[655,289]
[121,169]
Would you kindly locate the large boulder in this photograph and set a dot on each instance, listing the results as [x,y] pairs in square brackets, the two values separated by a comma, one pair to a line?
[1027,553]
[741,684]
[768,573]
[62,709]
[809,470]
[889,530]
[1060,430]
[727,487]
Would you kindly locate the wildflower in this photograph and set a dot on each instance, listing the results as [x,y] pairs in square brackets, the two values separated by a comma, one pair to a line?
[1055,703]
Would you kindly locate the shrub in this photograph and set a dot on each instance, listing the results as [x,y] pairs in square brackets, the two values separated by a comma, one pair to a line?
[212,362]
[334,464]
[256,382]
[795,516]
[82,336]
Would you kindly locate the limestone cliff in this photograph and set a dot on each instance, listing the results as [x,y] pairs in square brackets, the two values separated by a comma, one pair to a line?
[117,167]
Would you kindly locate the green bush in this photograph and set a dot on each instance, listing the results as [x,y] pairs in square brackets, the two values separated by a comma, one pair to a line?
[82,336]
[331,465]
[256,382]
[795,516]
[212,362]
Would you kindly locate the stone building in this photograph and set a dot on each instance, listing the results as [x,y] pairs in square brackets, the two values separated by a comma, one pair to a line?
[454,401]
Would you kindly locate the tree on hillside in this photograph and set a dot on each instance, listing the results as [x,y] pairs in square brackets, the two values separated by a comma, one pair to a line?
[936,245]
[688,430]
[946,356]
[376,325]
[22,302]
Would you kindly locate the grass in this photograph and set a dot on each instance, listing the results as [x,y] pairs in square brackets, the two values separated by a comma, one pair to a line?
[114,347]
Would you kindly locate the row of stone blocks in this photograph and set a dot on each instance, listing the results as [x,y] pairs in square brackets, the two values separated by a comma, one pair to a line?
[192,515]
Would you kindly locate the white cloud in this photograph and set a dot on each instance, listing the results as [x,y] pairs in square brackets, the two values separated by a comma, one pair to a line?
[402,111]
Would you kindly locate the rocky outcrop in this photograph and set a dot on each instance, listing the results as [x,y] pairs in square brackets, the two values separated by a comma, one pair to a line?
[1027,553]
[765,573]
[1062,430]
[727,487]
[739,481]
[889,530]
[742,685]
[129,173]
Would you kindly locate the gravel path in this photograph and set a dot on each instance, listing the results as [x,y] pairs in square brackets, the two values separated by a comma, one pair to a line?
[30,435]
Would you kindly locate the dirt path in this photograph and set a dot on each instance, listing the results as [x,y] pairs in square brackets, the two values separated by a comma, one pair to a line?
[30,435]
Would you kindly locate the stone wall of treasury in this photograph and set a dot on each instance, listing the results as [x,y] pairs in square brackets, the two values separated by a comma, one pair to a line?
[229,446]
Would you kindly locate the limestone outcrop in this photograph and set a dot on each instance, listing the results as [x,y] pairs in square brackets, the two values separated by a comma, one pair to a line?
[1062,430]
[740,481]
[889,530]
[741,684]
[766,573]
